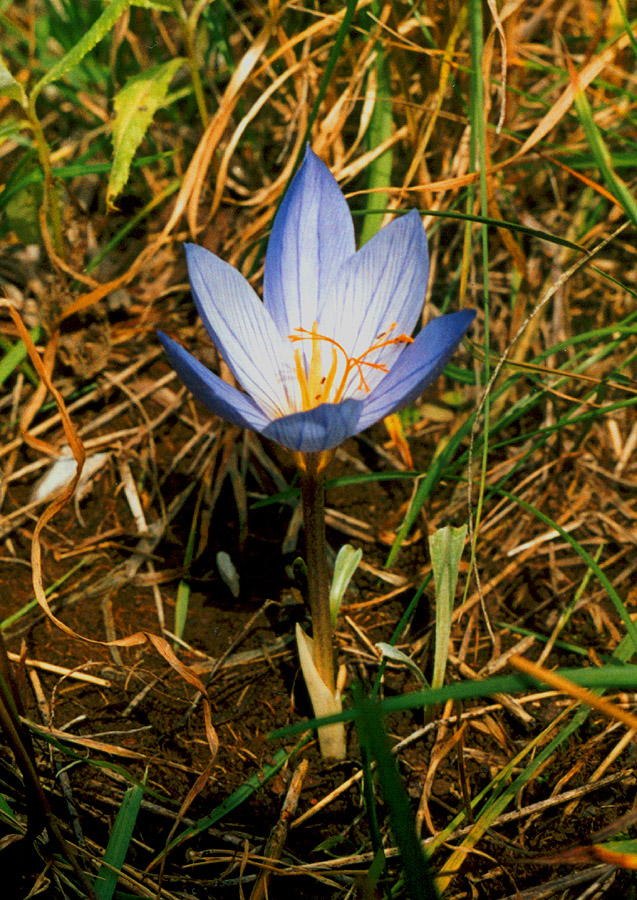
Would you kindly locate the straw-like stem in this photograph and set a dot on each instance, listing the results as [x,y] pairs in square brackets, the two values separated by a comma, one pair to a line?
[313,499]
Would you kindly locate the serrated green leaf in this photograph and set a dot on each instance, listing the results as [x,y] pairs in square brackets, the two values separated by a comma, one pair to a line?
[93,36]
[135,106]
[11,88]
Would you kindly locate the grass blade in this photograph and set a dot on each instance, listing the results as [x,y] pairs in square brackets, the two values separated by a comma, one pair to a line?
[380,129]
[16,354]
[610,677]
[600,151]
[418,879]
[616,600]
[118,843]
[247,789]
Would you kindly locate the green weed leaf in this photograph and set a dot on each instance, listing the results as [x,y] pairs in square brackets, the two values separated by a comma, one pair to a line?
[93,36]
[135,106]
[165,6]
[11,88]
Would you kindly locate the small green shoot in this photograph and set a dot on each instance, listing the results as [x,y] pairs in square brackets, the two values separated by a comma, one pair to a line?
[397,656]
[347,561]
[445,547]
[183,589]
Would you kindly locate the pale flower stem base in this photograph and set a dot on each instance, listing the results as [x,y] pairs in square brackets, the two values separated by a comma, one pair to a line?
[331,738]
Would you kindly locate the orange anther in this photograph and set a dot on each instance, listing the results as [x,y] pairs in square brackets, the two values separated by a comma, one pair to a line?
[316,388]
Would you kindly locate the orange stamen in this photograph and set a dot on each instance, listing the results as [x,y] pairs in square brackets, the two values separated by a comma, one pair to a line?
[315,363]
[331,375]
[316,389]
[302,377]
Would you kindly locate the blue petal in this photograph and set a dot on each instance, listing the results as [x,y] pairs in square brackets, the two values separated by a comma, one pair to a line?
[243,331]
[312,236]
[384,283]
[418,365]
[321,428]
[220,398]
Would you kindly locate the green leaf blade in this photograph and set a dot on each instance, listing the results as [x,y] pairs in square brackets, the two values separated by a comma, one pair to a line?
[118,843]
[93,36]
[445,547]
[419,882]
[135,107]
[11,88]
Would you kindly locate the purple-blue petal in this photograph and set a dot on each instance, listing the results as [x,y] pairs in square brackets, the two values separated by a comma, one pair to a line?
[381,286]
[312,236]
[384,282]
[321,428]
[418,365]
[220,397]
[242,329]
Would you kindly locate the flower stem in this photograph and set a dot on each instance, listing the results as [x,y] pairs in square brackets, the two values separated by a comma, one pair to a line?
[189,40]
[189,32]
[50,195]
[313,499]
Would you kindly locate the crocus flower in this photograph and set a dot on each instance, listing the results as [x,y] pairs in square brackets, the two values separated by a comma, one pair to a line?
[329,350]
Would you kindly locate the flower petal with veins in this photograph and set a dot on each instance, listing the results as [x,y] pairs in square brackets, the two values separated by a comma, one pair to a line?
[329,351]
